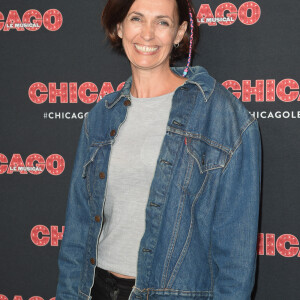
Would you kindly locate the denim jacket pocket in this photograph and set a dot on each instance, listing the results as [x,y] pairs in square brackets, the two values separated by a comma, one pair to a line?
[87,172]
[198,157]
[93,159]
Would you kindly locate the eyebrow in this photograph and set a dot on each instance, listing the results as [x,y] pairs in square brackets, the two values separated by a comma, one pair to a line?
[157,17]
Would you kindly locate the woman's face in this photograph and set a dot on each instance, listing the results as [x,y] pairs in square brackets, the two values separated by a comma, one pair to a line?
[149,31]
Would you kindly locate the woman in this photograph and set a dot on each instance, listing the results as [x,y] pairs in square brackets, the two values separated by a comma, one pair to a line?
[164,194]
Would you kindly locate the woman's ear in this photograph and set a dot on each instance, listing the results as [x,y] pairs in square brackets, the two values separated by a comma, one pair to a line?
[120,30]
[180,33]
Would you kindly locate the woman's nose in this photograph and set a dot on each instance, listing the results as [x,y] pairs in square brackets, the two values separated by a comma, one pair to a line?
[147,32]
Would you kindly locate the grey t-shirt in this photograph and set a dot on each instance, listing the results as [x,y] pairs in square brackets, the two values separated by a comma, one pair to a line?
[130,172]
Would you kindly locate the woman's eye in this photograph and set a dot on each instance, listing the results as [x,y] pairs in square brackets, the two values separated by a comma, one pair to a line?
[164,23]
[135,19]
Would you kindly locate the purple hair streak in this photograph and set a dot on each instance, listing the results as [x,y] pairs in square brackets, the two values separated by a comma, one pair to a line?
[191,40]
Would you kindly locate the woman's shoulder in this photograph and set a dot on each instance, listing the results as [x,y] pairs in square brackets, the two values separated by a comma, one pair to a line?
[219,98]
[227,115]
[212,93]
[231,111]
[230,104]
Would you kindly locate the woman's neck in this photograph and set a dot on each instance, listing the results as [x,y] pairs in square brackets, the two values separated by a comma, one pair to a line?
[154,82]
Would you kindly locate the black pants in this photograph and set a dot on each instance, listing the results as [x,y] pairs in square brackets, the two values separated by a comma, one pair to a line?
[110,287]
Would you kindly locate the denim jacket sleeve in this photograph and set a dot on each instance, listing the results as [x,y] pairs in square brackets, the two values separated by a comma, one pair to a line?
[71,254]
[236,219]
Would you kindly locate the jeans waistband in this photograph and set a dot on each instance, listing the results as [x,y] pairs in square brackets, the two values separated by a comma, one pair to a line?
[119,280]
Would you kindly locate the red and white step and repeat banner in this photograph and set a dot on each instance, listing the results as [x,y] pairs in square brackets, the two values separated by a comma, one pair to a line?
[55,65]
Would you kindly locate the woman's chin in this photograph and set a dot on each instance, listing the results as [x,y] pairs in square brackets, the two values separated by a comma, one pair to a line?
[146,65]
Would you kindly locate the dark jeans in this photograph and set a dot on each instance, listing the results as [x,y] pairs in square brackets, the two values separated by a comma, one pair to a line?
[110,287]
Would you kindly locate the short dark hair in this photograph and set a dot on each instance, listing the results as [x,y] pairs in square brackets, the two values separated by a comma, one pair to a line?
[115,12]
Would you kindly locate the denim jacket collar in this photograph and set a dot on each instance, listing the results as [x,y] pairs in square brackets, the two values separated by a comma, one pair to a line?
[197,75]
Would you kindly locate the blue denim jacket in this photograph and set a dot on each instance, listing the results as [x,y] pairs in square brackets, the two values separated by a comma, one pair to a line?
[203,205]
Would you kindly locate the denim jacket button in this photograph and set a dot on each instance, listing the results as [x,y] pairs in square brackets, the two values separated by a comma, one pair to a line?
[92,260]
[97,218]
[112,133]
[102,175]
[127,102]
